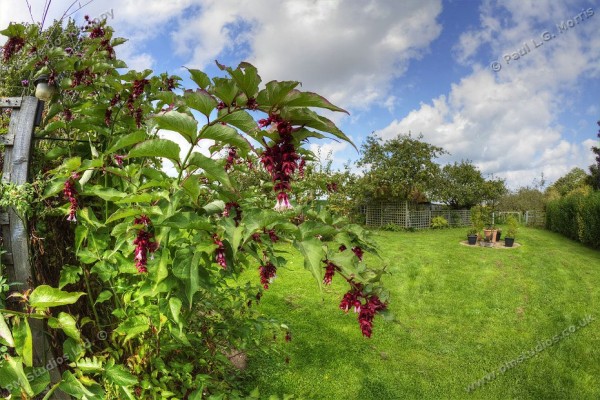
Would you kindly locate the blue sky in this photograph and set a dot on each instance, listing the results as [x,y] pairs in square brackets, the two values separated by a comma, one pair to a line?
[397,66]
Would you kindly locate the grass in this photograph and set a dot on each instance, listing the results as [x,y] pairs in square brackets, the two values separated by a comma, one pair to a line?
[460,313]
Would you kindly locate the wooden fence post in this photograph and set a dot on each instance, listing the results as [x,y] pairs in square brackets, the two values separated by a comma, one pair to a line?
[17,156]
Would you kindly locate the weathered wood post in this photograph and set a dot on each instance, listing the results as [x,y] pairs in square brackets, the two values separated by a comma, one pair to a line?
[17,156]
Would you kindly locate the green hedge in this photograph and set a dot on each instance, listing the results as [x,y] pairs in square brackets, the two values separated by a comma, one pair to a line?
[576,216]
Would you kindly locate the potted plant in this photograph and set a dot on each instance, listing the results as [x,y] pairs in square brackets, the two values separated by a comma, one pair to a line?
[487,242]
[477,222]
[490,233]
[472,236]
[513,225]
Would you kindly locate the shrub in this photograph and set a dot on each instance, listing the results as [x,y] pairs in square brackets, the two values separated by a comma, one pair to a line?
[513,226]
[576,216]
[439,223]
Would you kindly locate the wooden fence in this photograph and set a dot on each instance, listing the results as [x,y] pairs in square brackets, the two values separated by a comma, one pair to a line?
[399,213]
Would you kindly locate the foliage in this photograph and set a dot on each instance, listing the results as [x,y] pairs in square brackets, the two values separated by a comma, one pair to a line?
[459,185]
[523,199]
[513,226]
[439,222]
[480,217]
[574,179]
[401,167]
[577,216]
[159,256]
[594,177]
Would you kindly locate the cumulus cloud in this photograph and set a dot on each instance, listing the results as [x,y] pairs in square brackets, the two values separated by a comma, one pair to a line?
[507,122]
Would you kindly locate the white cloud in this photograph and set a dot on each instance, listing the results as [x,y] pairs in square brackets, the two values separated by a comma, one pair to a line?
[508,122]
[315,42]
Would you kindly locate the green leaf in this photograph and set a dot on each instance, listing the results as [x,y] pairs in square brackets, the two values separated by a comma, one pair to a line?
[68,325]
[247,78]
[178,122]
[132,327]
[123,213]
[223,134]
[186,267]
[23,340]
[103,296]
[127,140]
[188,220]
[105,193]
[119,375]
[69,274]
[212,169]
[5,332]
[200,100]
[89,364]
[159,273]
[241,119]
[138,198]
[45,296]
[54,187]
[175,307]
[192,186]
[225,89]
[214,207]
[309,118]
[296,98]
[157,148]
[11,372]
[274,93]
[200,78]
[71,385]
[313,252]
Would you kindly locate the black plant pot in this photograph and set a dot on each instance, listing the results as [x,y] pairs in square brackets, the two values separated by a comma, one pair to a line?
[498,235]
[508,242]
[472,239]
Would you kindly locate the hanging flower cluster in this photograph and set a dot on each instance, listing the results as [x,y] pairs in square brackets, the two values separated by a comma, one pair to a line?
[330,269]
[108,112]
[238,211]
[70,193]
[11,47]
[358,252]
[231,157]
[267,274]
[220,252]
[144,243]
[136,91]
[366,311]
[280,160]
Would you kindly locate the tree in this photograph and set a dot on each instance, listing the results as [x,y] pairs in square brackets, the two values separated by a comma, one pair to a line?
[459,185]
[402,167]
[575,178]
[594,177]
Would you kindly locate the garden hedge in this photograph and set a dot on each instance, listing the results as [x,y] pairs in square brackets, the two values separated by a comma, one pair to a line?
[576,216]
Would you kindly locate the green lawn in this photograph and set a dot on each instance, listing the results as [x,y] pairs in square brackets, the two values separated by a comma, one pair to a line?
[460,314]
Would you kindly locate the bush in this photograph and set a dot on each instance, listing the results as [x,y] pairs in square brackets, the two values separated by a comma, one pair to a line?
[439,223]
[576,216]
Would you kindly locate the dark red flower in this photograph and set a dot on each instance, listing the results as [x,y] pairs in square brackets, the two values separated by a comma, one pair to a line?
[366,311]
[12,46]
[267,274]
[144,243]
[330,269]
[358,252]
[70,192]
[220,252]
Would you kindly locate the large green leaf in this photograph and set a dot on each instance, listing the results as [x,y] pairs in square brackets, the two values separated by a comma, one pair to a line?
[132,327]
[309,118]
[186,267]
[73,386]
[241,119]
[247,78]
[314,254]
[12,373]
[69,274]
[212,169]
[188,220]
[201,79]
[200,100]
[224,134]
[120,376]
[105,193]
[23,340]
[5,332]
[157,148]
[46,296]
[296,98]
[274,93]
[178,122]
[127,140]
[67,323]
[225,89]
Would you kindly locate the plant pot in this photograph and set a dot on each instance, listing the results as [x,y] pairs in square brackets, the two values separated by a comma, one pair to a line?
[472,239]
[490,234]
[486,244]
[498,235]
[508,242]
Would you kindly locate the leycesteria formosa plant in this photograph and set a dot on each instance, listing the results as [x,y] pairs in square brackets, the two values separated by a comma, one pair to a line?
[157,247]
